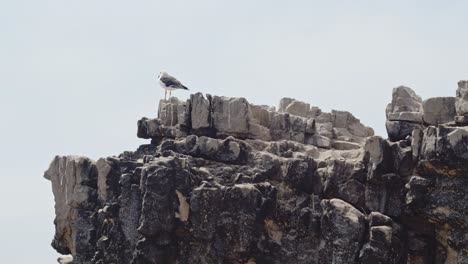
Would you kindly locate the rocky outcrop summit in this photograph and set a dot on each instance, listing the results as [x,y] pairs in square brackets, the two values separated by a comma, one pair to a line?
[226,181]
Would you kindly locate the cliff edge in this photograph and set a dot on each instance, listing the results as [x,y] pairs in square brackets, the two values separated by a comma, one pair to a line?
[226,181]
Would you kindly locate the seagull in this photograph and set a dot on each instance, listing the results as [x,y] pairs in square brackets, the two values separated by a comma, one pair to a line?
[169,83]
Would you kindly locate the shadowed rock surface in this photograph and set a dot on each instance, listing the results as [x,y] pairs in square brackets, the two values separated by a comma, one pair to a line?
[226,181]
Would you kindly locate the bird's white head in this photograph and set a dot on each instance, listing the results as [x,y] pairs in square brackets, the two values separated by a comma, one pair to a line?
[162,74]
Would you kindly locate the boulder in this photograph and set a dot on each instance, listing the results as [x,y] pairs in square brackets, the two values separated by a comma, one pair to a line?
[406,105]
[439,110]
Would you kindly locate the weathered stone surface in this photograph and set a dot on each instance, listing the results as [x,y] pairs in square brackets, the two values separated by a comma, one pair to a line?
[319,141]
[261,114]
[222,116]
[461,104]
[297,108]
[405,104]
[284,102]
[414,117]
[231,116]
[461,120]
[200,111]
[75,190]
[225,181]
[439,110]
[343,229]
[108,179]
[399,130]
[154,129]
[65,260]
[168,111]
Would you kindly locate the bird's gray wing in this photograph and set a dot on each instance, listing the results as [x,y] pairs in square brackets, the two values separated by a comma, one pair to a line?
[170,81]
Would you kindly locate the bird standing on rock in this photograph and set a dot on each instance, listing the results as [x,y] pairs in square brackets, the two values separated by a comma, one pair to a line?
[169,83]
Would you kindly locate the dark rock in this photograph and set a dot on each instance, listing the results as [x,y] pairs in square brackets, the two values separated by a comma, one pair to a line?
[225,181]
[342,229]
[399,130]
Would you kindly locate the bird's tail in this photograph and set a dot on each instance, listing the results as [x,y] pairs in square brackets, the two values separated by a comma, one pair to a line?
[185,87]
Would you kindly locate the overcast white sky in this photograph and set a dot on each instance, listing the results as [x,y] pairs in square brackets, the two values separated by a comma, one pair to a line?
[77,75]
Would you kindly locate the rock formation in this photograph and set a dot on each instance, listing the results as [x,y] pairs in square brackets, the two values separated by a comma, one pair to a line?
[226,181]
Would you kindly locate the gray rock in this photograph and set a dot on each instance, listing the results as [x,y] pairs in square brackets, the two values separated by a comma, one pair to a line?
[416,141]
[414,117]
[461,120]
[65,259]
[154,129]
[344,145]
[108,179]
[259,132]
[231,116]
[284,102]
[384,246]
[344,180]
[378,219]
[439,110]
[343,228]
[384,187]
[461,104]
[301,175]
[268,187]
[261,114]
[310,126]
[399,130]
[298,108]
[318,141]
[340,119]
[74,184]
[159,199]
[325,129]
[168,111]
[404,100]
[200,115]
[345,120]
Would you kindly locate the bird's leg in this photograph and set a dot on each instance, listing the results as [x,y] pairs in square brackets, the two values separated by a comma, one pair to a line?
[170,93]
[165,94]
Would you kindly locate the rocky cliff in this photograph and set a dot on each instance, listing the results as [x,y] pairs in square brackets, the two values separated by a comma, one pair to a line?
[226,181]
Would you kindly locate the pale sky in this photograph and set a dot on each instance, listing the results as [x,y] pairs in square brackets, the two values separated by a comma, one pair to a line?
[77,75]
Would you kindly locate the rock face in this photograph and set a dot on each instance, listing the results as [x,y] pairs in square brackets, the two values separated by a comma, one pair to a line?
[226,181]
[462,98]
[439,110]
[407,112]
